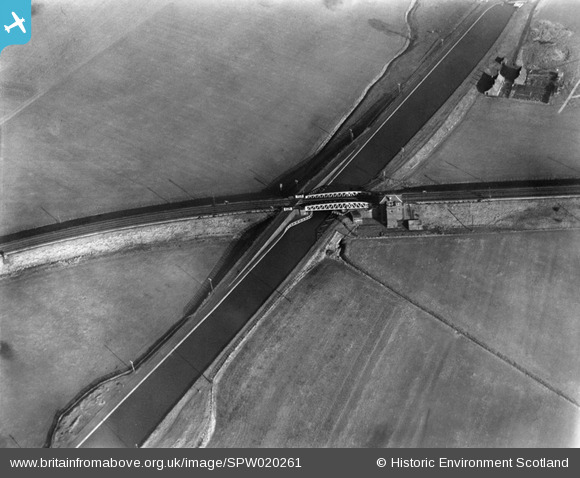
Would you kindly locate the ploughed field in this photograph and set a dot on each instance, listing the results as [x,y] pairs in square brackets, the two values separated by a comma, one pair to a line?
[113,105]
[346,361]
[515,292]
[63,328]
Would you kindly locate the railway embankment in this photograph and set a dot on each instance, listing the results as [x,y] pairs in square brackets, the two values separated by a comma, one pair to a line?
[84,246]
[485,215]
[501,215]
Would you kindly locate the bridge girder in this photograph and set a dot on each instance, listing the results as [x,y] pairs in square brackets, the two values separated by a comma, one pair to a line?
[335,195]
[339,206]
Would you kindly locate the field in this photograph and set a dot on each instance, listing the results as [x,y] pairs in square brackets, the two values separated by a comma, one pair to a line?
[507,215]
[113,106]
[564,12]
[333,368]
[63,328]
[515,292]
[504,139]
[460,341]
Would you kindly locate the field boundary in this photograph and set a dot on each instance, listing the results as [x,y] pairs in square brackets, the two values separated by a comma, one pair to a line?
[459,232]
[461,331]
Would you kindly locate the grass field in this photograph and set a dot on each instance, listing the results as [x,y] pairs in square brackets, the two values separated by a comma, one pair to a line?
[502,140]
[333,368]
[562,11]
[113,105]
[516,292]
[64,328]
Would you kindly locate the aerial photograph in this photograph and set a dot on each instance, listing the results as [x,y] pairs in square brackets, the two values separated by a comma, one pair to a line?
[290,224]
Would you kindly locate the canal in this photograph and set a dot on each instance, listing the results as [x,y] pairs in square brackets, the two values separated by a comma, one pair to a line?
[131,423]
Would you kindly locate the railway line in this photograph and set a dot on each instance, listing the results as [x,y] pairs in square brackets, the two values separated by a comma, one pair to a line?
[66,231]
[491,193]
[313,202]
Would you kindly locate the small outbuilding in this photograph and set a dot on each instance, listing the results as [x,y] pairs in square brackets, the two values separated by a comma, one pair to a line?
[510,73]
[485,83]
[414,225]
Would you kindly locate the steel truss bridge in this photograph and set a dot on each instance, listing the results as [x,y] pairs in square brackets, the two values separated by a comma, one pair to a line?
[332,195]
[337,206]
[334,201]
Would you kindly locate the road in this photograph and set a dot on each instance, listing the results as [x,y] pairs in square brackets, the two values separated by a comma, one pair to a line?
[131,423]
